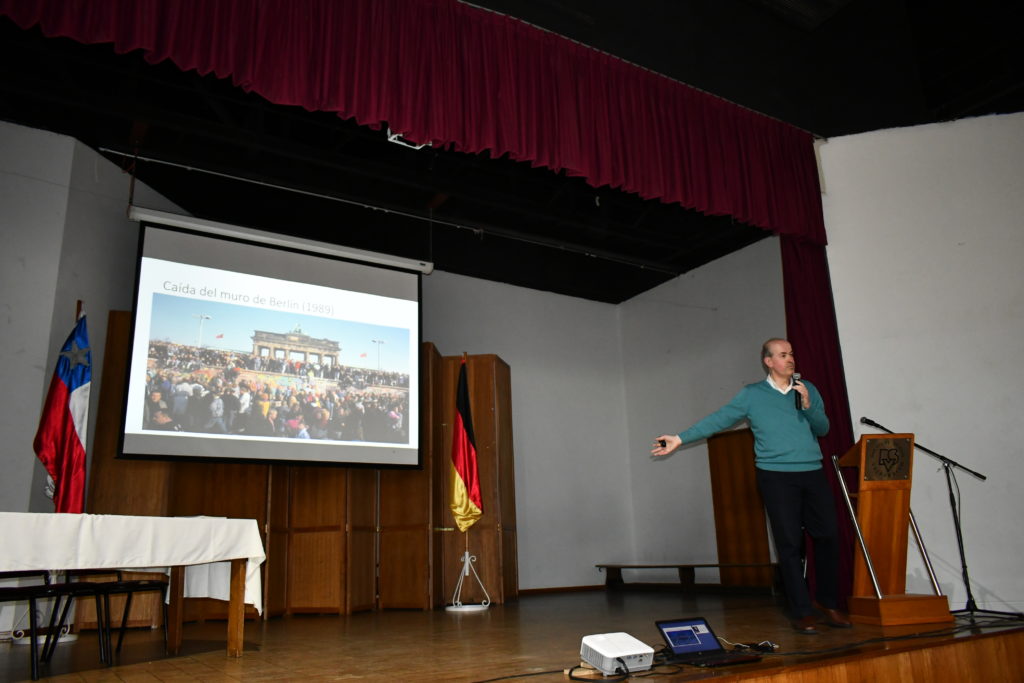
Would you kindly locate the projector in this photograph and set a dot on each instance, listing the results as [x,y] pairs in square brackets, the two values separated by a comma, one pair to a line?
[604,650]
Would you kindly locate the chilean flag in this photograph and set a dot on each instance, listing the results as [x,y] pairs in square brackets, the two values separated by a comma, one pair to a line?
[467,503]
[60,439]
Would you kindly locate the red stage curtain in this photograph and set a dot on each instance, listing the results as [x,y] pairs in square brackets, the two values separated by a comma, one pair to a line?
[813,332]
[443,72]
[451,74]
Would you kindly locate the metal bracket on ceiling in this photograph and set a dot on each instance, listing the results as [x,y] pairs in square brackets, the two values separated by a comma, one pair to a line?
[399,140]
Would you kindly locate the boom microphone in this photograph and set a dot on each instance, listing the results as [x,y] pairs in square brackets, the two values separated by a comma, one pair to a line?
[872,423]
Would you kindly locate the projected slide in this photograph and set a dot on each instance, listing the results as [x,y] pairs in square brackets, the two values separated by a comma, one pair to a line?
[246,352]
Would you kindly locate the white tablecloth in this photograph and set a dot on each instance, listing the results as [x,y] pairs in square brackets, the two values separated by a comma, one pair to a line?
[33,540]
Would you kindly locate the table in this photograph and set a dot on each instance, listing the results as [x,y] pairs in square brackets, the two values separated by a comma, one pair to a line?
[223,556]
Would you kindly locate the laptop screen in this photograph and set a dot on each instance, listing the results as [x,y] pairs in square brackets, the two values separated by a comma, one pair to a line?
[688,636]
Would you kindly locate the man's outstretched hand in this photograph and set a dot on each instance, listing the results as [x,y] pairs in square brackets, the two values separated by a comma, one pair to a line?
[665,444]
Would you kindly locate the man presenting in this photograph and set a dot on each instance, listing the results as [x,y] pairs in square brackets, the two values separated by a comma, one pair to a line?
[797,496]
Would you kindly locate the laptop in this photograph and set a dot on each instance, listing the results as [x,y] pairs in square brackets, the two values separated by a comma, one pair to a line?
[691,641]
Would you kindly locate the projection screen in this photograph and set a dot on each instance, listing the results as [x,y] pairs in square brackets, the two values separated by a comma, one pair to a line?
[241,351]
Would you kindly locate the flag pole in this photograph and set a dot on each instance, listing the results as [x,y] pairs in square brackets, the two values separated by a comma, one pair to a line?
[466,499]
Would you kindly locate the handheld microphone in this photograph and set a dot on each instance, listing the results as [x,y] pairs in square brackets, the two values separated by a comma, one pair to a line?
[799,399]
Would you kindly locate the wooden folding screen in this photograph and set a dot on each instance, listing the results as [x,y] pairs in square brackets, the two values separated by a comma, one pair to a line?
[411,510]
[492,539]
[338,540]
[740,526]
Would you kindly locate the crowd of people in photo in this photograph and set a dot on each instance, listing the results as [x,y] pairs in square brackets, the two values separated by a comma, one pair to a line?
[202,390]
[187,359]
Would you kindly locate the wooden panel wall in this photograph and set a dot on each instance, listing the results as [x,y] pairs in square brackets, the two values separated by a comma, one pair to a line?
[278,518]
[506,492]
[361,587]
[409,505]
[338,539]
[108,491]
[492,539]
[439,465]
[740,527]
[318,503]
[322,552]
[150,479]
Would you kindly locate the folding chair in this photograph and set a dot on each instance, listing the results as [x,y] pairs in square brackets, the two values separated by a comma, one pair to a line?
[30,594]
[128,588]
[102,590]
[69,590]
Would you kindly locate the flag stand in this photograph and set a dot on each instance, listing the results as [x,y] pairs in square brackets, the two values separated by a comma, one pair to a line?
[467,566]
[466,503]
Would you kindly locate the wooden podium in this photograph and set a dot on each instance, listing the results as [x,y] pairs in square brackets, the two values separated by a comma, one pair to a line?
[884,464]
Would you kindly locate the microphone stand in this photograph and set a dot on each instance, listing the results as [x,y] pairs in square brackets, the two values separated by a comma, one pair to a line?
[970,608]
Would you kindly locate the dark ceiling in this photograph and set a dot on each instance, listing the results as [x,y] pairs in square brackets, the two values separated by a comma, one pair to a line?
[832,67]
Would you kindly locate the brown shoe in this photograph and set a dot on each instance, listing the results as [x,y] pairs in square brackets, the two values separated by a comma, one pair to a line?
[835,618]
[806,624]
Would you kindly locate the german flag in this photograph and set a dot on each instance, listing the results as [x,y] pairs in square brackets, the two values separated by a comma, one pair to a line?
[466,503]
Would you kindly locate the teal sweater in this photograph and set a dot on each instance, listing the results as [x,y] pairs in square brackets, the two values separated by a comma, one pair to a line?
[785,438]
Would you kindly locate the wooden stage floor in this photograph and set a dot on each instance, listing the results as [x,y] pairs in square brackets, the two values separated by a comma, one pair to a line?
[537,638]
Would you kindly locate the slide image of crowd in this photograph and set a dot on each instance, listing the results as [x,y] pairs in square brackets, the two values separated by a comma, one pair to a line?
[290,383]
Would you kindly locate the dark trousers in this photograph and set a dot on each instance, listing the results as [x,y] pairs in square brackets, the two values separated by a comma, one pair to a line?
[798,501]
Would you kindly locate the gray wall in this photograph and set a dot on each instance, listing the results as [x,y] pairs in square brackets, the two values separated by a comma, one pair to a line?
[569,428]
[592,384]
[690,345]
[65,237]
[35,170]
[925,249]
[575,451]
[926,229]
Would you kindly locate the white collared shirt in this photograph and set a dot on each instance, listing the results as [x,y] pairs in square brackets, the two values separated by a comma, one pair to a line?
[776,388]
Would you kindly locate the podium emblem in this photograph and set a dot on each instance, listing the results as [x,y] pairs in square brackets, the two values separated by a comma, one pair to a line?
[887,460]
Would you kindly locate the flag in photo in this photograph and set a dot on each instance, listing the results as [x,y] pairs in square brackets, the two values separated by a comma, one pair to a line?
[61,437]
[466,505]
